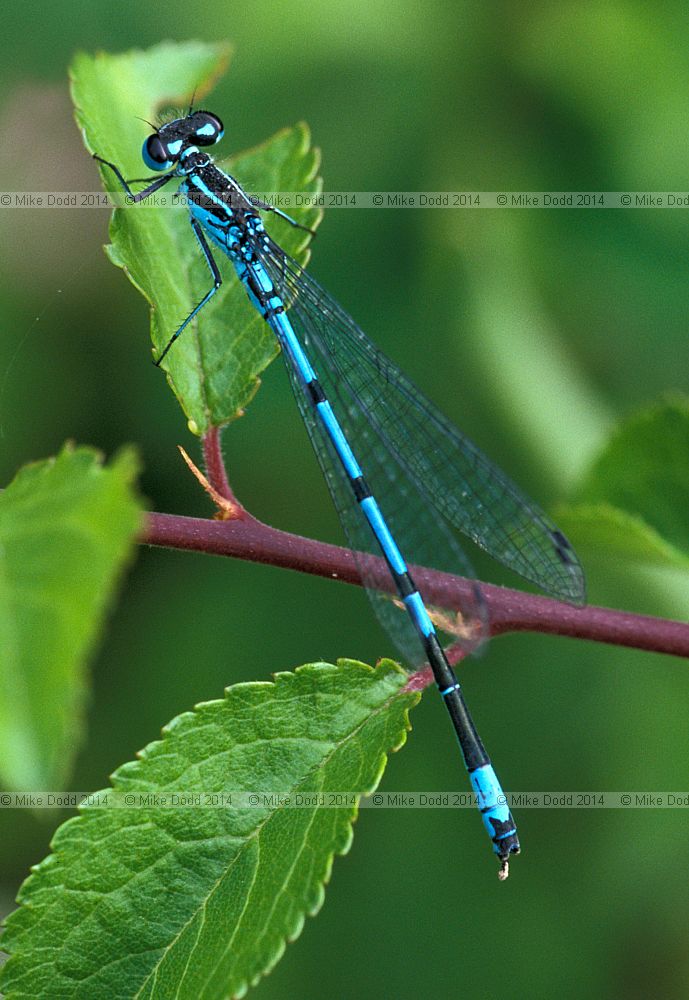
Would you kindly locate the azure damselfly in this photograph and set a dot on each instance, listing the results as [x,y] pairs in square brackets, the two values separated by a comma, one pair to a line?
[419,476]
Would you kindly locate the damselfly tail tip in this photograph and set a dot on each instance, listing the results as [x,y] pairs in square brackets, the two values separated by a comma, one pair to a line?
[510,846]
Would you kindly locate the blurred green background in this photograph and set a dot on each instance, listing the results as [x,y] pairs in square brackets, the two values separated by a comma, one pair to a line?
[534,330]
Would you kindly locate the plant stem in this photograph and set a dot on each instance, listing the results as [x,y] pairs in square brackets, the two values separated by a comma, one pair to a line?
[508,610]
[215,467]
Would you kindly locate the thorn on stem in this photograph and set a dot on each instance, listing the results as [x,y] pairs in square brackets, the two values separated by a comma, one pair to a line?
[227,510]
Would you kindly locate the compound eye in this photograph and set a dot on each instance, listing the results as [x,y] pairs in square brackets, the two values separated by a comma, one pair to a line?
[155,153]
[208,128]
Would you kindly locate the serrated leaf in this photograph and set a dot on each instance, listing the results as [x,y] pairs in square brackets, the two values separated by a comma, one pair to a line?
[199,902]
[67,527]
[635,499]
[214,368]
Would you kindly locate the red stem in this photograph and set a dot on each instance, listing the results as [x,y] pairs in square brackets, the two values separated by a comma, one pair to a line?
[215,467]
[508,610]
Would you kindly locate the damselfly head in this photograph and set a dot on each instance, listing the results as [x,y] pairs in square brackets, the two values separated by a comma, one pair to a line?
[163,149]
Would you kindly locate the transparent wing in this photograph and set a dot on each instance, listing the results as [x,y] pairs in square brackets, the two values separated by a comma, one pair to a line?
[448,471]
[420,533]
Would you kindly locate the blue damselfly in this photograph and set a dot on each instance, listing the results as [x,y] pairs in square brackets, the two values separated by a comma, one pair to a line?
[418,477]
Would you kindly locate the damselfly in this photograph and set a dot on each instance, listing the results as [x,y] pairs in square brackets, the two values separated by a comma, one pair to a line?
[418,475]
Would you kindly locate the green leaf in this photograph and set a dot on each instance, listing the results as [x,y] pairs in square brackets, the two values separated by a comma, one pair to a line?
[66,530]
[214,368]
[634,502]
[615,535]
[199,902]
